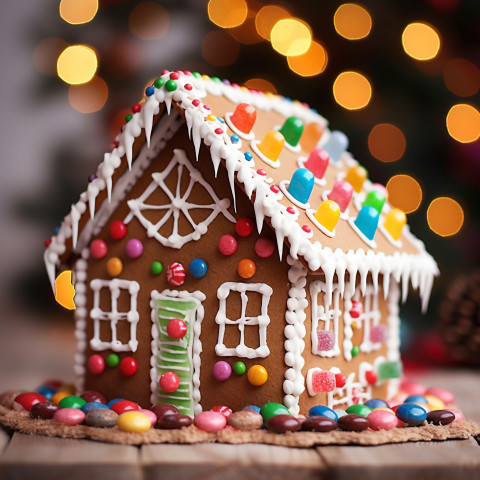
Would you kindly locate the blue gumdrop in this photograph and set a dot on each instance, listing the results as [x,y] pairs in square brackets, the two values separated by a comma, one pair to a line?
[253,408]
[301,184]
[149,91]
[336,144]
[376,403]
[115,400]
[47,391]
[411,414]
[322,411]
[198,268]
[89,406]
[367,221]
[415,399]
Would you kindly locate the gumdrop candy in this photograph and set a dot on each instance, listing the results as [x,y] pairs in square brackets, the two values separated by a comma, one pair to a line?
[378,333]
[326,340]
[356,310]
[323,381]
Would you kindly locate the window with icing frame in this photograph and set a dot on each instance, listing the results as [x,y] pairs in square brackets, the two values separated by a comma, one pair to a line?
[261,320]
[113,288]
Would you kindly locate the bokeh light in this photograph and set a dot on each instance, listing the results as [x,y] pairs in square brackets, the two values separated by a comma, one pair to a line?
[462,77]
[404,192]
[420,41]
[267,17]
[46,54]
[89,97]
[77,12]
[149,21]
[246,33]
[445,216]
[219,48]
[312,62]
[227,13]
[386,142]
[463,123]
[352,21]
[77,64]
[291,37]
[352,90]
[261,84]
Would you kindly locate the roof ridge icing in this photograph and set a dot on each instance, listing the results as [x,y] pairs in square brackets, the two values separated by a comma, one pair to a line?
[187,90]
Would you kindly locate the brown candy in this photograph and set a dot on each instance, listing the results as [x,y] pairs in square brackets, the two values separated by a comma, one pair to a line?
[353,423]
[93,396]
[44,410]
[319,424]
[246,420]
[162,409]
[101,418]
[440,417]
[173,421]
[283,423]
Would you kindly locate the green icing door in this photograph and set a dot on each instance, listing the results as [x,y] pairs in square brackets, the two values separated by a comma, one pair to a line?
[181,356]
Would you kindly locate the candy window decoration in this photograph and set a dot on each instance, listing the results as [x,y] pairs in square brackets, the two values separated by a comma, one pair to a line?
[175,205]
[114,316]
[325,319]
[350,390]
[261,320]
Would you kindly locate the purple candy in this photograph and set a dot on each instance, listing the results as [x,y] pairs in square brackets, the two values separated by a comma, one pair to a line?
[134,248]
[326,340]
[222,371]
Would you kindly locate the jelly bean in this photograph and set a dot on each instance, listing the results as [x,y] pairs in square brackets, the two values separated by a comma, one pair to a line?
[153,418]
[413,415]
[440,417]
[124,406]
[246,420]
[447,397]
[459,417]
[173,421]
[210,421]
[271,409]
[44,410]
[382,420]
[411,388]
[101,418]
[162,409]
[434,403]
[257,375]
[375,403]
[93,396]
[69,416]
[415,399]
[72,401]
[252,408]
[134,422]
[358,409]
[353,423]
[27,400]
[319,424]
[322,411]
[283,423]
[113,402]
[46,390]
[225,411]
[59,396]
[89,406]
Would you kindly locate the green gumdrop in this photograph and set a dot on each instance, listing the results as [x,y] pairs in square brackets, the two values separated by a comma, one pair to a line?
[362,410]
[292,130]
[239,368]
[72,401]
[112,360]
[388,370]
[271,409]
[375,199]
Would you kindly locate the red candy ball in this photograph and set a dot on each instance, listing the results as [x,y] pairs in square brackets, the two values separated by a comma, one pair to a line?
[227,245]
[128,366]
[98,249]
[225,411]
[371,377]
[340,380]
[264,247]
[96,364]
[176,328]
[123,406]
[169,382]
[28,399]
[117,230]
[244,227]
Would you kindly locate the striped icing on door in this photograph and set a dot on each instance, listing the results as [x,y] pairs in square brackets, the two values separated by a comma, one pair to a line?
[181,356]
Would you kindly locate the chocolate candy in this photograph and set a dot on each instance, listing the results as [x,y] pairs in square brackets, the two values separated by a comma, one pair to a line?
[89,406]
[439,417]
[246,420]
[69,416]
[172,421]
[322,411]
[162,409]
[413,415]
[124,406]
[45,410]
[270,409]
[27,400]
[382,420]
[353,423]
[101,418]
[283,423]
[93,396]
[134,422]
[72,401]
[210,421]
[319,424]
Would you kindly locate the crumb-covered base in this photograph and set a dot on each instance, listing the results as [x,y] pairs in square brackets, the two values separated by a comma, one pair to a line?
[21,422]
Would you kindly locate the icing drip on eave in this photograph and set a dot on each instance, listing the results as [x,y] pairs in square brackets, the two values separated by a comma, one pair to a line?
[419,269]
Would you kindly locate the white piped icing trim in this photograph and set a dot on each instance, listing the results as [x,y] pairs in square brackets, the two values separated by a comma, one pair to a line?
[294,383]
[403,266]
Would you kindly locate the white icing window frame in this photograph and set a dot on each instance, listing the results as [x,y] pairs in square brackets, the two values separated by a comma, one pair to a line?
[370,316]
[262,320]
[114,316]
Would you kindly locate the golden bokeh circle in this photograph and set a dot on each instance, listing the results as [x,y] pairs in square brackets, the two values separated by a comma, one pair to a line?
[352,21]
[312,62]
[77,64]
[421,41]
[227,13]
[445,216]
[404,192]
[352,90]
[291,37]
[463,123]
[386,142]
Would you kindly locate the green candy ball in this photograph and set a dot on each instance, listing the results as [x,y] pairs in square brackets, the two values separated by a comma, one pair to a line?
[271,409]
[355,350]
[159,82]
[239,368]
[72,401]
[171,85]
[113,360]
[156,268]
[362,410]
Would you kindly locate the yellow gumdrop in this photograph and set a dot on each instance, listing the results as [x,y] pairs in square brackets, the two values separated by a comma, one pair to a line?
[135,422]
[328,214]
[257,375]
[434,403]
[56,397]
[355,177]
[394,222]
[271,145]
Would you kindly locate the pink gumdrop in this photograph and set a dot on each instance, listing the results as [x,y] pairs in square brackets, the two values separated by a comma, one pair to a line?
[459,417]
[264,247]
[210,421]
[317,162]
[382,420]
[446,396]
[227,245]
[411,388]
[69,416]
[341,193]
[153,418]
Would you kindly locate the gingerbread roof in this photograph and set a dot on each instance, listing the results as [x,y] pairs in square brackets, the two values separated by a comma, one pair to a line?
[207,106]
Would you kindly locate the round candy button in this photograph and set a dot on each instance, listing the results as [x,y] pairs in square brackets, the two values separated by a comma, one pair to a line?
[117,230]
[113,360]
[169,382]
[257,375]
[128,366]
[176,328]
[156,267]
[246,268]
[264,247]
[244,226]
[198,268]
[222,371]
[98,249]
[114,266]
[227,245]
[134,248]
[96,364]
[239,368]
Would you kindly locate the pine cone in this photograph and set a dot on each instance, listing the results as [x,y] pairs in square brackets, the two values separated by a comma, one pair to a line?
[459,317]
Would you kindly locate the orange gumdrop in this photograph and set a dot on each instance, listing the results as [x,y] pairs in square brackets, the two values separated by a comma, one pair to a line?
[244,117]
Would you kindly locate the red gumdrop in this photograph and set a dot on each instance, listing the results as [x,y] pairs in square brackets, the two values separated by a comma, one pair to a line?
[128,366]
[244,117]
[28,399]
[169,382]
[371,377]
[340,380]
[98,249]
[244,226]
[264,247]
[176,328]
[96,364]
[227,245]
[117,230]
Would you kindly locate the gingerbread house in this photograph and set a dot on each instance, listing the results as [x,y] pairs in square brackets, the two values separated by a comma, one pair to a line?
[229,250]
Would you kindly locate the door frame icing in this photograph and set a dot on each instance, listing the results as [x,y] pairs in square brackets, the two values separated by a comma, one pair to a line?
[193,350]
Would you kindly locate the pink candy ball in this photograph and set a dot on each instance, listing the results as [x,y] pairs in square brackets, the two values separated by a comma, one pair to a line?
[210,421]
[98,249]
[222,371]
[96,364]
[69,416]
[227,245]
[412,388]
[382,420]
[150,415]
[264,247]
[446,396]
[134,248]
